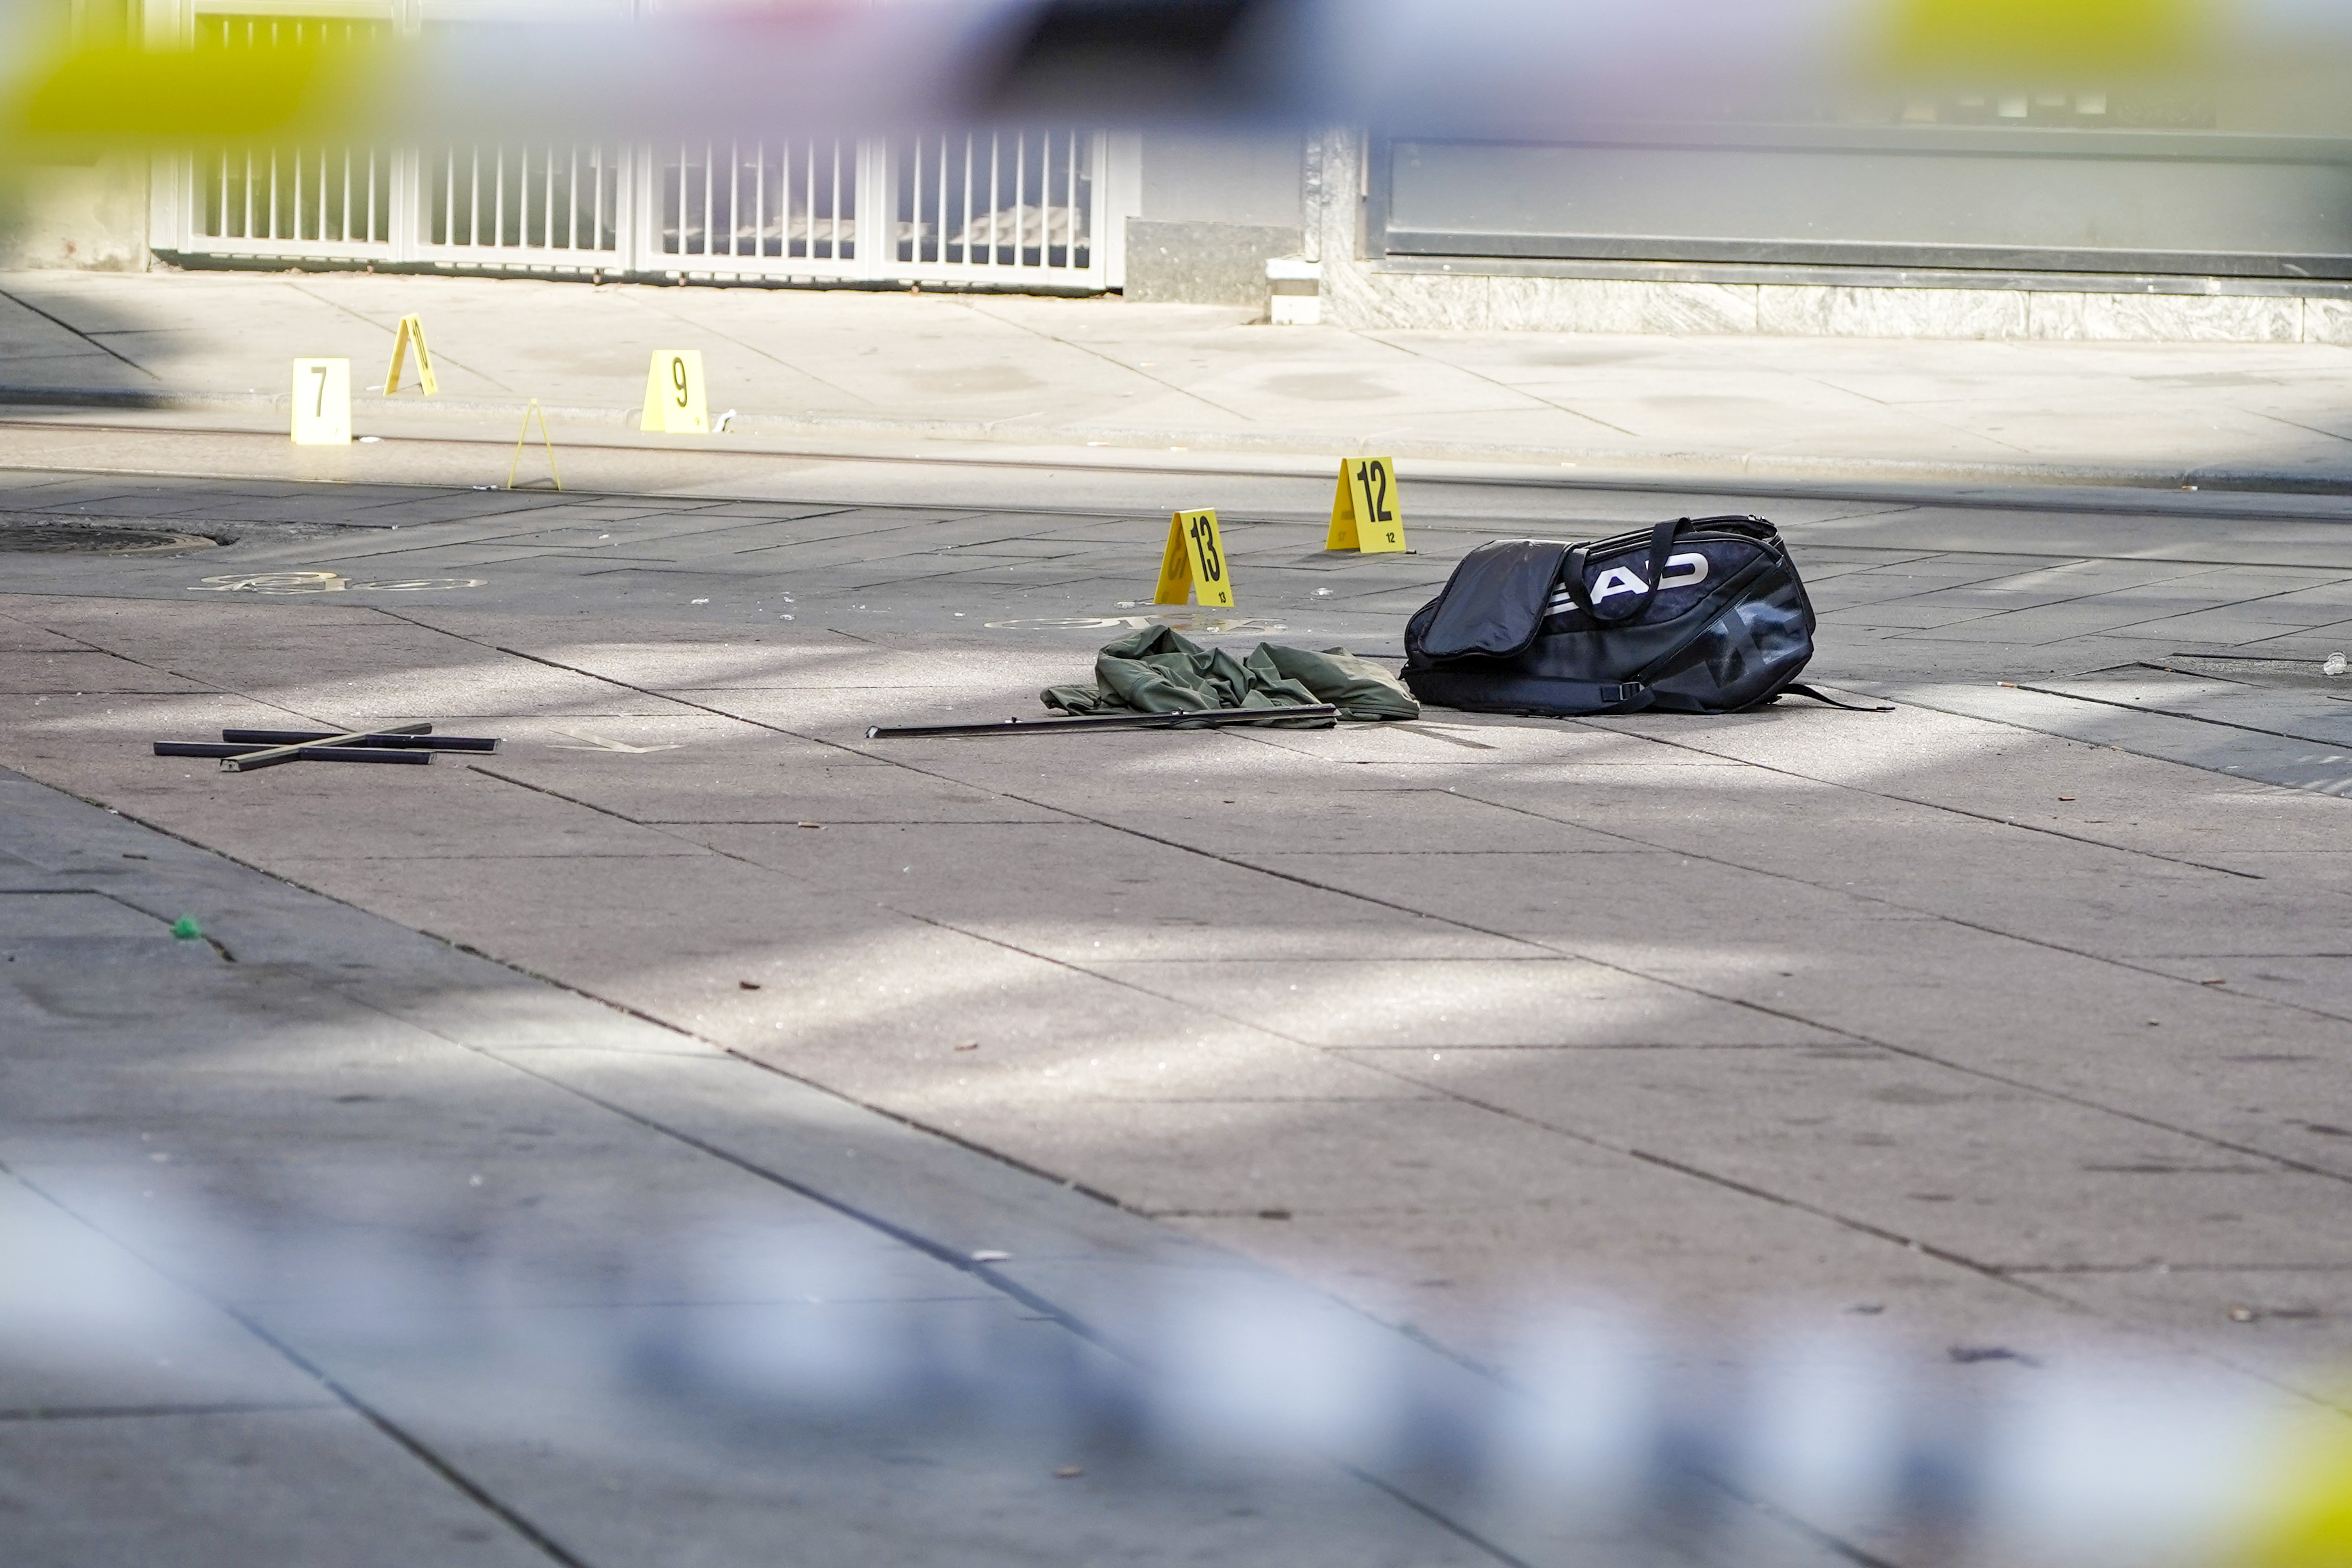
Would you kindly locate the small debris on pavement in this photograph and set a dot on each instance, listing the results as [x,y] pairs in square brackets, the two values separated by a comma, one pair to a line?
[1868,1309]
[2334,665]
[1274,1213]
[969,1046]
[2066,797]
[987,1256]
[2243,1314]
[1969,1355]
[1068,1472]
[2213,980]
[812,825]
[749,985]
[185,929]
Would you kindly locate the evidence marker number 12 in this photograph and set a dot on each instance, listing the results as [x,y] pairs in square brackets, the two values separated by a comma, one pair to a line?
[1366,513]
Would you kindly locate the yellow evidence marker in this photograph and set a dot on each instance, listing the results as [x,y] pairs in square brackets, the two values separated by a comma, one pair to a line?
[1195,559]
[535,411]
[674,403]
[1366,514]
[322,402]
[412,330]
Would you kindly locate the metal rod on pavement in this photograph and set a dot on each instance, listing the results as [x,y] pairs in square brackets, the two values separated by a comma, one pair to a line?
[271,756]
[401,740]
[303,754]
[1199,719]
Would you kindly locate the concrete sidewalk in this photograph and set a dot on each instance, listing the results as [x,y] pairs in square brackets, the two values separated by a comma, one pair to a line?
[1977,1046]
[909,373]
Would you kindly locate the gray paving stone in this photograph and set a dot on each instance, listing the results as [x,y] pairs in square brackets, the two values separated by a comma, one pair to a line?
[281,1486]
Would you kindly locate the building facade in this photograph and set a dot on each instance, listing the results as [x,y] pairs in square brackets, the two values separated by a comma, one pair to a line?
[2006,213]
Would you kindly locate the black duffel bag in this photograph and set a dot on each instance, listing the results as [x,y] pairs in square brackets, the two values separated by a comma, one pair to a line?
[1697,615]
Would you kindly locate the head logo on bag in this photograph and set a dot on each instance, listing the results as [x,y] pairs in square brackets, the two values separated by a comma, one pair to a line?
[1684,570]
[1697,615]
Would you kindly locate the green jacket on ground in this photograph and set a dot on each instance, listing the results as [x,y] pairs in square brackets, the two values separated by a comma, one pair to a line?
[1153,670]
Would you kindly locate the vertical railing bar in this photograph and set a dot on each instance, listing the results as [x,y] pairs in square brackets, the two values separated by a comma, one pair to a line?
[970,148]
[922,164]
[709,188]
[760,201]
[834,250]
[914,200]
[277,230]
[917,171]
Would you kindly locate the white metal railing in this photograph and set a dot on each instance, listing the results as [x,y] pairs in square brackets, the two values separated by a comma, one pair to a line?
[326,202]
[326,199]
[521,205]
[761,209]
[1014,209]
[999,204]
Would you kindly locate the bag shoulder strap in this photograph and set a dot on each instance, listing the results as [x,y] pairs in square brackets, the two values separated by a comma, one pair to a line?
[1799,689]
[1661,542]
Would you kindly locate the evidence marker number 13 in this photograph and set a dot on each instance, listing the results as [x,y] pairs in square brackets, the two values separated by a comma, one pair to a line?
[1194,560]
[322,402]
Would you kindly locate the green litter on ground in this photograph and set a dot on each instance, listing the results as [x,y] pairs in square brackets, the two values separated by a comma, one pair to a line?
[186,929]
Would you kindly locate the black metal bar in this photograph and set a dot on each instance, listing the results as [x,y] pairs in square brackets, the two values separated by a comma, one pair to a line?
[303,754]
[270,757]
[1205,718]
[251,738]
